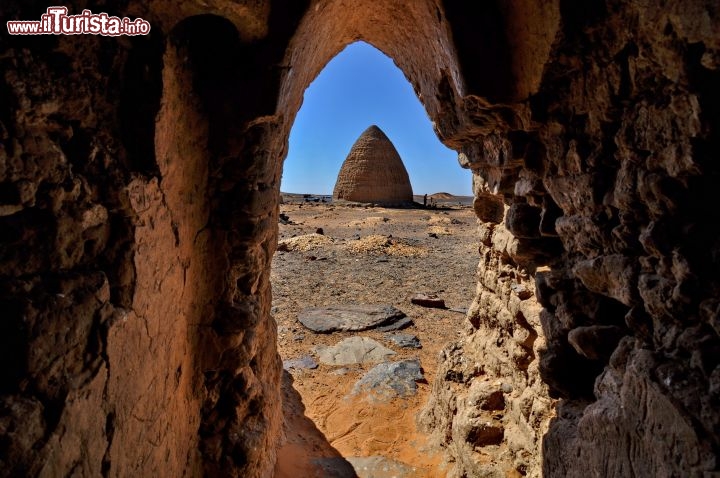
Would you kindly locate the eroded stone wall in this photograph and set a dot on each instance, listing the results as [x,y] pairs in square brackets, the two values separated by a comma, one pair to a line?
[614,170]
[138,221]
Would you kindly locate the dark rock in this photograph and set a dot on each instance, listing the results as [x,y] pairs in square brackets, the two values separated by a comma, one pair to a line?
[427,300]
[346,318]
[320,231]
[398,325]
[404,340]
[390,380]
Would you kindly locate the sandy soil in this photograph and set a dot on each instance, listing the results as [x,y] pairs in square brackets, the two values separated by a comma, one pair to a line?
[366,255]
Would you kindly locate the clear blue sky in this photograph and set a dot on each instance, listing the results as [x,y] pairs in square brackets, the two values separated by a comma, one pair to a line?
[360,87]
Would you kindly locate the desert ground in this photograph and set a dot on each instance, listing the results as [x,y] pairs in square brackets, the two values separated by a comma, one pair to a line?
[366,255]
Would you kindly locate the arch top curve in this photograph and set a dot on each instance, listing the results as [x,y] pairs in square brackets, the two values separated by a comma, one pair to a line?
[391,27]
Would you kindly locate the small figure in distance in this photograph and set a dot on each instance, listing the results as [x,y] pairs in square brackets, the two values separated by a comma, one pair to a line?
[425,200]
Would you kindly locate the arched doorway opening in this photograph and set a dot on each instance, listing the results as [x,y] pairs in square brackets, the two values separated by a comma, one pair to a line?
[368,255]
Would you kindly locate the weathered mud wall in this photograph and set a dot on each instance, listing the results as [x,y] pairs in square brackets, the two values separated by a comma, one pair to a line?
[138,214]
[138,218]
[631,137]
[606,186]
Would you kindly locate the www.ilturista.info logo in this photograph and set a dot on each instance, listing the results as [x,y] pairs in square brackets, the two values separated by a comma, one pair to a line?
[57,22]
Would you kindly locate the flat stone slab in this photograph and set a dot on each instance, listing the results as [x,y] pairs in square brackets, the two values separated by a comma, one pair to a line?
[390,380]
[346,318]
[408,341]
[305,361]
[353,350]
[428,300]
[398,325]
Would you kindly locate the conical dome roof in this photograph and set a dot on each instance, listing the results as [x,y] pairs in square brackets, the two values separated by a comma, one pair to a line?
[373,172]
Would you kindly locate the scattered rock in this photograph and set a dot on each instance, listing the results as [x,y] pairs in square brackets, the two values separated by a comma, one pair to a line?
[432,234]
[428,300]
[304,362]
[334,467]
[353,350]
[320,231]
[381,467]
[399,325]
[284,219]
[404,340]
[349,317]
[389,380]
[364,467]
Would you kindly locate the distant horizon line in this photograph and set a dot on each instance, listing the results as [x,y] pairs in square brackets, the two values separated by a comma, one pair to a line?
[429,194]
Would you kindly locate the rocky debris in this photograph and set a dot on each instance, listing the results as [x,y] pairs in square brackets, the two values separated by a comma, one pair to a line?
[304,362]
[404,340]
[428,300]
[373,172]
[390,380]
[381,467]
[284,219]
[353,350]
[352,317]
[320,231]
